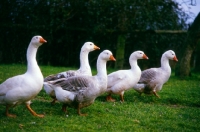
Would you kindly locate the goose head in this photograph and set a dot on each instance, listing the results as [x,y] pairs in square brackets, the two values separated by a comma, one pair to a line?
[107,55]
[38,41]
[138,55]
[170,54]
[89,46]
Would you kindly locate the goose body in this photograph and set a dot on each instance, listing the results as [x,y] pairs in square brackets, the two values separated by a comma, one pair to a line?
[122,80]
[152,79]
[21,89]
[84,69]
[81,91]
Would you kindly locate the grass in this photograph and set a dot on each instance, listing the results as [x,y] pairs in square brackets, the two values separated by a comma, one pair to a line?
[178,109]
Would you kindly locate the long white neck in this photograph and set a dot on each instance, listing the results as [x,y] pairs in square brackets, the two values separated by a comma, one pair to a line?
[101,68]
[31,58]
[133,64]
[165,64]
[84,63]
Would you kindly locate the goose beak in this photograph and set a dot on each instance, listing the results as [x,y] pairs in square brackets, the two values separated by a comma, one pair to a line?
[112,58]
[145,57]
[42,40]
[175,59]
[96,47]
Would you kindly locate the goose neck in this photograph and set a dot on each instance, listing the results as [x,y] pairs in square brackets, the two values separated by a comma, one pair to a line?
[31,58]
[84,63]
[165,64]
[101,68]
[133,63]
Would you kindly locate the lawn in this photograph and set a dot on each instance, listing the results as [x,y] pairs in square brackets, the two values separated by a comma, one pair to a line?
[178,109]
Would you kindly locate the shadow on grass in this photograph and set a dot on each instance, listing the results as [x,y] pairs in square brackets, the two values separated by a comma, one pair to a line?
[130,97]
[180,102]
[151,99]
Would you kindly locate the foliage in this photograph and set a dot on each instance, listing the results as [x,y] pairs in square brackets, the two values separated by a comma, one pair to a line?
[176,110]
[66,25]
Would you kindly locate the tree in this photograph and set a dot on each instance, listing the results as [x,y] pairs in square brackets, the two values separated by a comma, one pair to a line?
[118,25]
[126,17]
[191,41]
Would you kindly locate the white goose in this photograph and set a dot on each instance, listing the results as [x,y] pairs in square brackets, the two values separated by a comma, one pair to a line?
[23,88]
[81,91]
[123,80]
[152,79]
[84,69]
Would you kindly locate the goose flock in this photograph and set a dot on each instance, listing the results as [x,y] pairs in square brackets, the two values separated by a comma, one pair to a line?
[79,88]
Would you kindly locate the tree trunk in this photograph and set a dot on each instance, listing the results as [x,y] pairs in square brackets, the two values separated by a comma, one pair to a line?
[193,35]
[183,69]
[120,52]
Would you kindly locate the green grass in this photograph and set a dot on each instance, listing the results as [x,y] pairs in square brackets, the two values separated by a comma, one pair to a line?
[178,109]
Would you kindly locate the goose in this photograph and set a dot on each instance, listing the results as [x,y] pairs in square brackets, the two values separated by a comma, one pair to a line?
[81,91]
[152,79]
[21,89]
[84,69]
[122,80]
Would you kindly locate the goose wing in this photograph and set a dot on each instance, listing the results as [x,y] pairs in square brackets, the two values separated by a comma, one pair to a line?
[66,74]
[149,75]
[74,84]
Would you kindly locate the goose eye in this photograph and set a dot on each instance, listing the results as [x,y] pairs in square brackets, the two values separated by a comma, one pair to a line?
[90,44]
[36,37]
[172,54]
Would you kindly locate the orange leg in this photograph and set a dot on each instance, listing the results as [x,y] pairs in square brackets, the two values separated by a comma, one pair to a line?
[33,112]
[64,109]
[79,111]
[154,92]
[122,97]
[109,98]
[7,113]
[54,101]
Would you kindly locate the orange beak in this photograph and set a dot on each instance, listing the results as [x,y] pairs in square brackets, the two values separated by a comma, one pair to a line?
[112,58]
[42,40]
[145,57]
[96,47]
[175,59]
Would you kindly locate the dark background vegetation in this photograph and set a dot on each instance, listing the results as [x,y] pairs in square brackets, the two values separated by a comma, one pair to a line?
[67,24]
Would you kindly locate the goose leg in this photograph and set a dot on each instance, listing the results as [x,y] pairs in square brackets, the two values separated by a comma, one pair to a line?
[122,97]
[54,101]
[64,107]
[7,113]
[154,92]
[79,111]
[33,112]
[109,98]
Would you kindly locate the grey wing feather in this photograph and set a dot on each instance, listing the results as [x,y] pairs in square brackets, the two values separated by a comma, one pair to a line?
[70,74]
[60,75]
[74,83]
[148,75]
[53,77]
